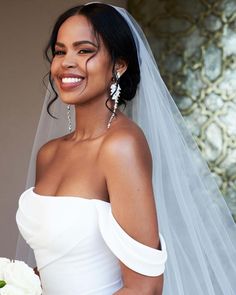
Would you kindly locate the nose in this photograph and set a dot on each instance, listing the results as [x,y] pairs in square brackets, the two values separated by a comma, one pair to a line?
[69,61]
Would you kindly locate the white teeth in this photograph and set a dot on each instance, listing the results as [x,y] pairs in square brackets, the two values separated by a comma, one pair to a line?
[71,80]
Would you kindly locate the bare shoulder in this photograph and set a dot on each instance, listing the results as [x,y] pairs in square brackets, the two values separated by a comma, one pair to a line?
[47,150]
[126,140]
[45,155]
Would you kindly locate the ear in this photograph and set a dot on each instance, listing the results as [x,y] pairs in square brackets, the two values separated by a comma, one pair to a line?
[121,66]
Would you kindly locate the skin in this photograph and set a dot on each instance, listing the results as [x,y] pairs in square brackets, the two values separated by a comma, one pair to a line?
[92,161]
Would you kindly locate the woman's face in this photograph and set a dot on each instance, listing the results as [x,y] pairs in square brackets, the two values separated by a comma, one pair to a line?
[82,72]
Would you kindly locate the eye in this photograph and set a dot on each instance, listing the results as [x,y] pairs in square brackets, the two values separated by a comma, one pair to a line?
[59,52]
[85,51]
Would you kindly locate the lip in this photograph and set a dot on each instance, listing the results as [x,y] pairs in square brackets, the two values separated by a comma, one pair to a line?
[72,85]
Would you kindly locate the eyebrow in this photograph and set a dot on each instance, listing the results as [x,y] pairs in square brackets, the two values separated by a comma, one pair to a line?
[76,44]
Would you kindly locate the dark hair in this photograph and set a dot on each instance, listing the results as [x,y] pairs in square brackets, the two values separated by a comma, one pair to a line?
[117,37]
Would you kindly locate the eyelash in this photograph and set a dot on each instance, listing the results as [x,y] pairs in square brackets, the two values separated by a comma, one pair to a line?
[81,51]
[58,52]
[86,51]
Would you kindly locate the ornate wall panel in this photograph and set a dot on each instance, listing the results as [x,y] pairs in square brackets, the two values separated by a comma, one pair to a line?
[194,43]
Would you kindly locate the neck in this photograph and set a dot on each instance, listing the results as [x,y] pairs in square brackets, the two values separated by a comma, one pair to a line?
[91,120]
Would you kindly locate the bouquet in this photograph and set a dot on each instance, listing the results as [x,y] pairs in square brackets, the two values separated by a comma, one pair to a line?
[17,278]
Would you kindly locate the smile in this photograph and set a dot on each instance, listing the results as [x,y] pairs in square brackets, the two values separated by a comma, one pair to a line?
[69,83]
[71,80]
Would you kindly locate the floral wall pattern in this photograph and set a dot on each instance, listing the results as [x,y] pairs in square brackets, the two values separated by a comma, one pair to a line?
[194,43]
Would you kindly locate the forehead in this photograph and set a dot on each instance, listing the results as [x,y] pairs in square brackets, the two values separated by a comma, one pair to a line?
[76,28]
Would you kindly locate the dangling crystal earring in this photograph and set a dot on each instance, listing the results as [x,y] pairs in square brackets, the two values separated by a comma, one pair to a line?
[69,118]
[115,94]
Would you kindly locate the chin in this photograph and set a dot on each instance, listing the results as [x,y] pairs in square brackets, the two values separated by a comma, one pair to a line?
[68,100]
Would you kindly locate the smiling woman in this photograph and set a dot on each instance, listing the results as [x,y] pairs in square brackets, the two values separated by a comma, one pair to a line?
[77,55]
[93,212]
[81,173]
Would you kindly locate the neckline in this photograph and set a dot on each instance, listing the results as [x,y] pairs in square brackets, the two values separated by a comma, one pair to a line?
[65,197]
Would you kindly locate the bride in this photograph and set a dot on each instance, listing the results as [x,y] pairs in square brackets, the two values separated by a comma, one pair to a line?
[101,192]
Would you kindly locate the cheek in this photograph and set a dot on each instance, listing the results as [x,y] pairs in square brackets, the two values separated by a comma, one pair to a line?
[100,65]
[101,71]
[53,68]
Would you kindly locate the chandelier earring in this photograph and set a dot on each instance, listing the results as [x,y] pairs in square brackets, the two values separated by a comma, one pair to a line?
[115,94]
[69,118]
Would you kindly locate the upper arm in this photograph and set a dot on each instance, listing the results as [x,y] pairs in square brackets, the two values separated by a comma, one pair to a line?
[127,166]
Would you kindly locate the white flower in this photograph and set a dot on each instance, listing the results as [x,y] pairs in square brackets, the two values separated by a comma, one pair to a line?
[3,263]
[22,277]
[10,290]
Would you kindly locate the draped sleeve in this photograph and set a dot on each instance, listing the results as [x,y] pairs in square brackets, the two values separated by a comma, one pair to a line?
[135,255]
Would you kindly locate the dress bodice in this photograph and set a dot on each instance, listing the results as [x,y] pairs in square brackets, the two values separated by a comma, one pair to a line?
[78,244]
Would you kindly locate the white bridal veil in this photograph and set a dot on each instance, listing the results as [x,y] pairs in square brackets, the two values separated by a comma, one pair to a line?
[193,217]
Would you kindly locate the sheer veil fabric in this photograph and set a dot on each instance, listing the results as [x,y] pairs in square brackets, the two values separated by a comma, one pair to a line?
[193,217]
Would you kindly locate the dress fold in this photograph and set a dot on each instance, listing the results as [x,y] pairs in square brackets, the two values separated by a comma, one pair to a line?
[79,239]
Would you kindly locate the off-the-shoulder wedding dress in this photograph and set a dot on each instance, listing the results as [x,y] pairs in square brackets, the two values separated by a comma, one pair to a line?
[78,244]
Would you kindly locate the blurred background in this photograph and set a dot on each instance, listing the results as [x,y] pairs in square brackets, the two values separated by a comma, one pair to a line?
[194,43]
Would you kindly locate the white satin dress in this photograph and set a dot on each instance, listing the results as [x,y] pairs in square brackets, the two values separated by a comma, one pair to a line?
[78,244]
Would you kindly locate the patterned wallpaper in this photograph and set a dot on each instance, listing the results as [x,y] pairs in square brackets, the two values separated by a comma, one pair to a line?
[194,43]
